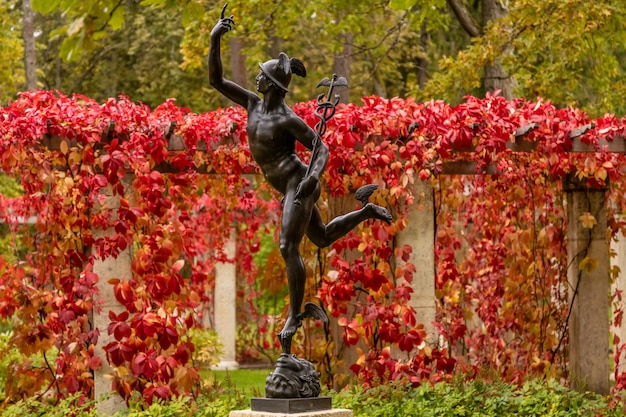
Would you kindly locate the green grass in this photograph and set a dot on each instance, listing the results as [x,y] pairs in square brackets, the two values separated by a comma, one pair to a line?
[250,382]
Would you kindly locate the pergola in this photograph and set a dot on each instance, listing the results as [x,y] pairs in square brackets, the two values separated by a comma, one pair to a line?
[589,346]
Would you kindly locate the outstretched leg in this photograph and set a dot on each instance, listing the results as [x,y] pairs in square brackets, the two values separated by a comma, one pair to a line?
[305,217]
[323,235]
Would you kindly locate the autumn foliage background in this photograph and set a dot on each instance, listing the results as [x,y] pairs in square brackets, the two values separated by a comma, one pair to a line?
[501,261]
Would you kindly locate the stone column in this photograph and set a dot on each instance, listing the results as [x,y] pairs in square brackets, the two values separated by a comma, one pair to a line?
[107,269]
[588,277]
[344,355]
[420,235]
[225,305]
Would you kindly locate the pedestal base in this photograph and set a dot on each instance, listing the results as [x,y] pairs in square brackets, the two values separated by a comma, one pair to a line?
[291,405]
[335,412]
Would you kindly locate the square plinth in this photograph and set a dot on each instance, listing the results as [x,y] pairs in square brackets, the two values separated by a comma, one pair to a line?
[291,405]
[335,412]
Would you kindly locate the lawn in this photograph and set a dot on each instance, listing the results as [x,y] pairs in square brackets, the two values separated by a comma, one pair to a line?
[250,382]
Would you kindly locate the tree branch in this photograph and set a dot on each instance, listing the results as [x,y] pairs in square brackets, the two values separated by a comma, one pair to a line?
[463,16]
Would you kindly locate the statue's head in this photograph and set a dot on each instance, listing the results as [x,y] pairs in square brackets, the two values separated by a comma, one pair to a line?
[292,378]
[279,71]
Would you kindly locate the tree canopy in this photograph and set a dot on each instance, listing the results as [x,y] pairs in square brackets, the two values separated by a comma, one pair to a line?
[570,52]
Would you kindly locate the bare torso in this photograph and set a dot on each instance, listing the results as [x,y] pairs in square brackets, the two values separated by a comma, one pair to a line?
[272,146]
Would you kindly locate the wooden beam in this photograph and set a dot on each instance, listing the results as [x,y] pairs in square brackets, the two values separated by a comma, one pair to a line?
[466,168]
[520,144]
[617,145]
[167,168]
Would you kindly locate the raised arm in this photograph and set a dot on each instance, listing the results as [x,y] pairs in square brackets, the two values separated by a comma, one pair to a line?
[228,88]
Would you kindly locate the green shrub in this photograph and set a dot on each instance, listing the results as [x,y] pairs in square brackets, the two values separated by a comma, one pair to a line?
[7,356]
[74,406]
[208,349]
[175,407]
[10,356]
[10,187]
[210,406]
[456,399]
[475,399]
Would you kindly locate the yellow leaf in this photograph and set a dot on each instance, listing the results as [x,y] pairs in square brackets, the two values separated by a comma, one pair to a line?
[542,236]
[64,147]
[75,156]
[588,264]
[122,371]
[428,351]
[587,220]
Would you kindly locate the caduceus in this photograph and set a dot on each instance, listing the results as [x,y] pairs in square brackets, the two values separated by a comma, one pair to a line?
[325,110]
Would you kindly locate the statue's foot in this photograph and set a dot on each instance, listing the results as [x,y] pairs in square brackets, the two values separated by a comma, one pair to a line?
[378,212]
[289,329]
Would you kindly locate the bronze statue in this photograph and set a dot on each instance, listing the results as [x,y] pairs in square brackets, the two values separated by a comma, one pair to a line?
[273,129]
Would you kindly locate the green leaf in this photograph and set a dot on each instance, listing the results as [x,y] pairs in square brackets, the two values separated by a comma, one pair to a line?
[44,6]
[192,12]
[117,19]
[69,49]
[157,3]
[402,4]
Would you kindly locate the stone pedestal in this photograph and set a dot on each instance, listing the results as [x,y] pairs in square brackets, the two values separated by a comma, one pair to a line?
[336,412]
[225,306]
[588,277]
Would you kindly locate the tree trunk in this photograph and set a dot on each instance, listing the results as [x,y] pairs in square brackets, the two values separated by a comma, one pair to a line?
[422,61]
[28,34]
[492,10]
[341,67]
[276,46]
[379,88]
[238,62]
[496,78]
